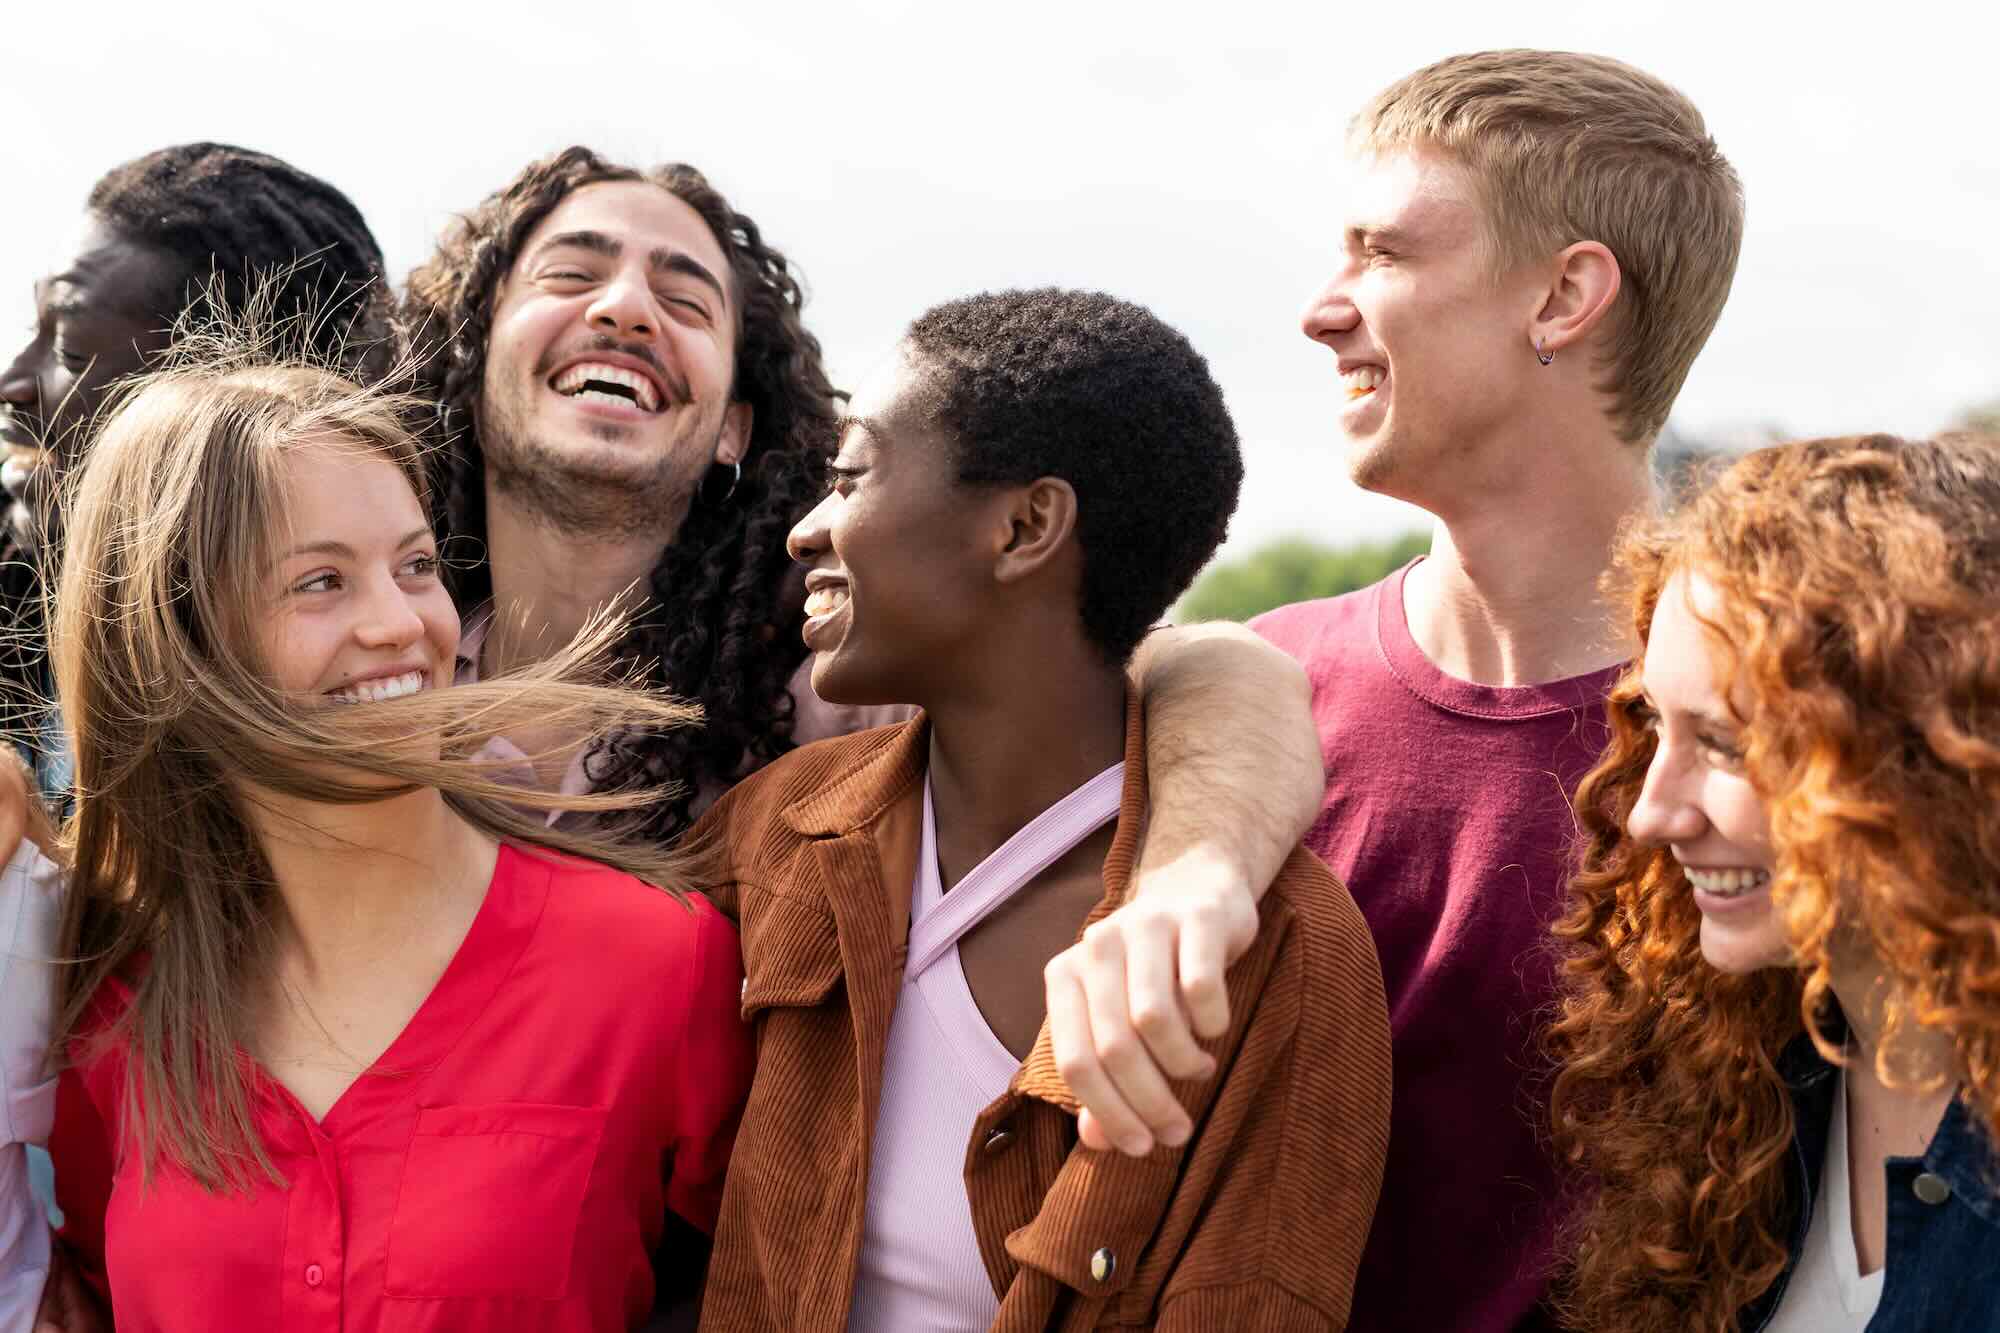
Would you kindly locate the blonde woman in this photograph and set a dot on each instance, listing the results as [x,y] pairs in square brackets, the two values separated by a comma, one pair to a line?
[355,1040]
[1780,1039]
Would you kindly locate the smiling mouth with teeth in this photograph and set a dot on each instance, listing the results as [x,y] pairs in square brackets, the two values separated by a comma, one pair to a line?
[825,601]
[1363,380]
[594,381]
[1726,883]
[382,687]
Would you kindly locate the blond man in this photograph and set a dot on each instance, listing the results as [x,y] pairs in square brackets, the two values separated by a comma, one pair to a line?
[1537,245]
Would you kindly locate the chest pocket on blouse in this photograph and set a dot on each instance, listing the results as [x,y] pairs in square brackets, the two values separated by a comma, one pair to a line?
[490,1200]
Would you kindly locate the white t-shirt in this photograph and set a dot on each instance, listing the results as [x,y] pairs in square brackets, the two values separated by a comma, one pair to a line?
[29,888]
[1827,1293]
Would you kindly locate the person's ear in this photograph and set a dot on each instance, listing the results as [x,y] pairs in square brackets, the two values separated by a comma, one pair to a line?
[735,439]
[1583,283]
[1039,519]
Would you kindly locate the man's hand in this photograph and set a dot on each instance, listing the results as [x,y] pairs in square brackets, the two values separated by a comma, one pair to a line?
[1234,780]
[1128,1002]
[67,1305]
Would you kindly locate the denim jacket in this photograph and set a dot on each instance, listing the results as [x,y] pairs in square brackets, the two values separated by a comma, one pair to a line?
[1943,1241]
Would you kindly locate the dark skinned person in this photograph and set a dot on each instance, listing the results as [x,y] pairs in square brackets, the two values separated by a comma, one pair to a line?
[1020,492]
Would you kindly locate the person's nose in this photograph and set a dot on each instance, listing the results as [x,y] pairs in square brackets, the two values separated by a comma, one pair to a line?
[17,382]
[389,617]
[1331,311]
[809,538]
[1667,811]
[625,307]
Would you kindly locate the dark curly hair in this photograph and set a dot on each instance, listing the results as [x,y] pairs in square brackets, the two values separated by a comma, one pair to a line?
[1857,618]
[239,222]
[723,625]
[1103,394]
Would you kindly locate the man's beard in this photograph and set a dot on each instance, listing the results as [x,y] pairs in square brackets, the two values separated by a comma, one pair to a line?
[648,499]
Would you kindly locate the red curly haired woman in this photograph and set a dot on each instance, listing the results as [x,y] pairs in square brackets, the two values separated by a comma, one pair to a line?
[1779,1041]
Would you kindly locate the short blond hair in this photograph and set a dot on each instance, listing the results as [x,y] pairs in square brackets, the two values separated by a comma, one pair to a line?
[1566,147]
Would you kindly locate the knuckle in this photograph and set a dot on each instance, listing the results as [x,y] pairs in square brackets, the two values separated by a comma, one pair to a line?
[1076,1066]
[1154,1020]
[1207,918]
[1116,1049]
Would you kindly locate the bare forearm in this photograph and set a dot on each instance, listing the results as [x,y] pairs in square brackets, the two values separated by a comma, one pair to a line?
[1232,757]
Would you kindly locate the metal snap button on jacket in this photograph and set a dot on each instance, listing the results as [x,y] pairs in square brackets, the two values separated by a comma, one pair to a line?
[999,1141]
[1931,1189]
[1103,1264]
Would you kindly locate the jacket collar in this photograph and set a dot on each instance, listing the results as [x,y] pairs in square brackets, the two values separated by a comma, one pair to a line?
[873,782]
[1960,1150]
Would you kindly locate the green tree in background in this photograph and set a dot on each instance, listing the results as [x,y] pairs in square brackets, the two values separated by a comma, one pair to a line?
[1295,569]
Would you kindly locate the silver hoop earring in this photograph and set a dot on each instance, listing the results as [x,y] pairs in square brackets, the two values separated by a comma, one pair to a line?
[1542,352]
[708,495]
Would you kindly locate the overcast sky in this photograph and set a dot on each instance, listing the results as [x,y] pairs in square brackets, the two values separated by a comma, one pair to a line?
[906,152]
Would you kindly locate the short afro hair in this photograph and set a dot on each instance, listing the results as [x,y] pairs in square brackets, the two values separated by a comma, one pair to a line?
[1103,394]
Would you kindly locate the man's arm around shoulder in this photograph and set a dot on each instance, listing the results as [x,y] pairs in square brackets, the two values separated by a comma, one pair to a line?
[1234,780]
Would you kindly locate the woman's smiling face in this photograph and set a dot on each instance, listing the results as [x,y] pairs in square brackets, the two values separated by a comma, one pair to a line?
[1697,801]
[356,607]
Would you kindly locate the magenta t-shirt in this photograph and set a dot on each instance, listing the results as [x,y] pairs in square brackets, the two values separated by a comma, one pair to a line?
[1447,816]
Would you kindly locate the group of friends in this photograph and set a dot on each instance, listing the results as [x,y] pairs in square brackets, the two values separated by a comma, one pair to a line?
[541,812]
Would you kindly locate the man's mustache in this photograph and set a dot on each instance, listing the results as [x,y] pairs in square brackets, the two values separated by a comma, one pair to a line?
[674,387]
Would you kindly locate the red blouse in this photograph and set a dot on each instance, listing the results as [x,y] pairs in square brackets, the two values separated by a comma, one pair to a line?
[507,1163]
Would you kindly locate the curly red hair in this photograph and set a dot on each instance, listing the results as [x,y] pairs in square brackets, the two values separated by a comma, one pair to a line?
[1857,631]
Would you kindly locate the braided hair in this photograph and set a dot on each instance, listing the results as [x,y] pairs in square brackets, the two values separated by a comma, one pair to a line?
[243,222]
[722,625]
[246,228]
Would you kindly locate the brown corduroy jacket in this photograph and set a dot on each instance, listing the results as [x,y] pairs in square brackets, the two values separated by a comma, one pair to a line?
[1257,1223]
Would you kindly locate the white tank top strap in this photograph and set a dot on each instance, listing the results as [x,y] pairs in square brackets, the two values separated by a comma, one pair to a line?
[938,925]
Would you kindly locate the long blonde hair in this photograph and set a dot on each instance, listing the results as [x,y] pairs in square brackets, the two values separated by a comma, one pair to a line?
[171,528]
